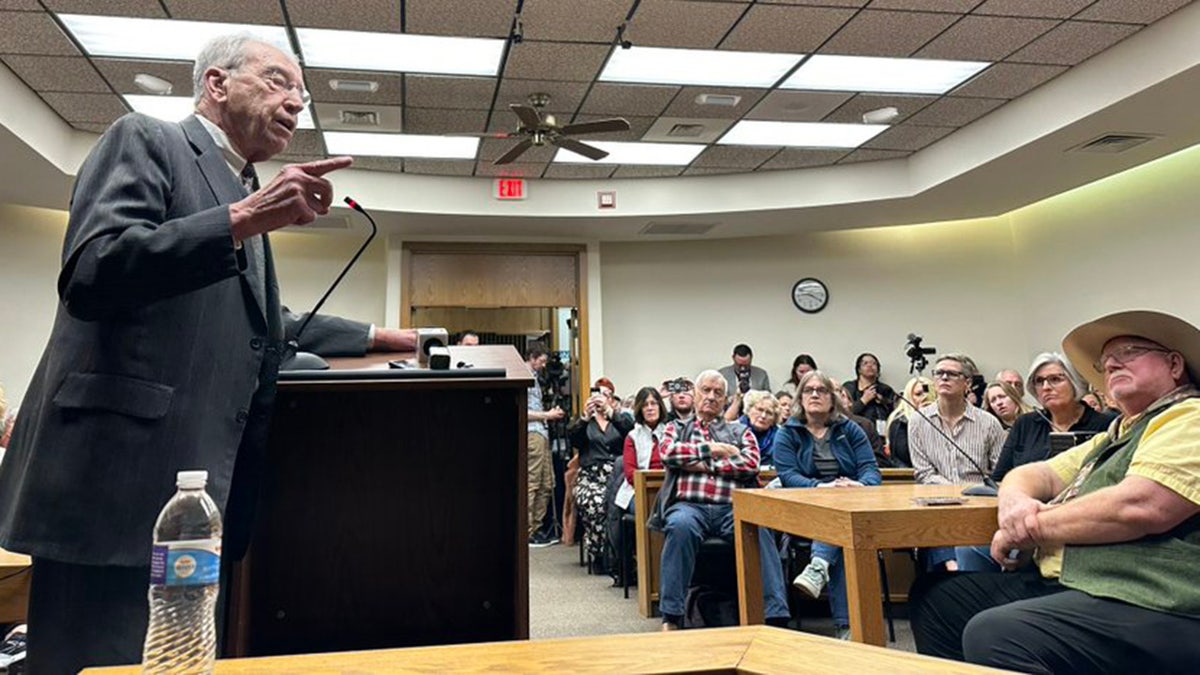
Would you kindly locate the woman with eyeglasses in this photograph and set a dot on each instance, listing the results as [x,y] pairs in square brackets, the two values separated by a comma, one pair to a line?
[820,447]
[1059,391]
[762,416]
[917,391]
[1002,400]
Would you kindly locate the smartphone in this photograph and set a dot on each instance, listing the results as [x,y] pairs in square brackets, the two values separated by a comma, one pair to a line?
[595,390]
[938,501]
[1065,440]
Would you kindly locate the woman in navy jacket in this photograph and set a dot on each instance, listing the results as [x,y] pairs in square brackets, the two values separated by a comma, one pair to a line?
[819,446]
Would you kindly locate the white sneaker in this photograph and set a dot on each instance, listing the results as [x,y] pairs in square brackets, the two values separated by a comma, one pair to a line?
[813,579]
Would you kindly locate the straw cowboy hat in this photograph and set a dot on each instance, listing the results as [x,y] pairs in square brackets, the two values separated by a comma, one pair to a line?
[1084,344]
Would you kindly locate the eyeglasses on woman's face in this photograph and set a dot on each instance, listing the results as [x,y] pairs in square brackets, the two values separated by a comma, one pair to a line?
[816,392]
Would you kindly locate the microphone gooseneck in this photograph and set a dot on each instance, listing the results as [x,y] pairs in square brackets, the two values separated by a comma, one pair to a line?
[989,487]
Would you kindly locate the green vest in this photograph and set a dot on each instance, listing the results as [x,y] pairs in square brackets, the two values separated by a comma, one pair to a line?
[1156,572]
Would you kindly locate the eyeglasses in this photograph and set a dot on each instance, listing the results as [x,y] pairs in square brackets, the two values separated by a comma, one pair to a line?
[1052,380]
[948,375]
[1125,354]
[814,391]
[277,81]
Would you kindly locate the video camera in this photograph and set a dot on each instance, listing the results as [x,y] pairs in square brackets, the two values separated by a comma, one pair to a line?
[916,353]
[743,378]
[678,385]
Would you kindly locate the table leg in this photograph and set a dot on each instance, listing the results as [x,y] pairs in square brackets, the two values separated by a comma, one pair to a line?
[749,571]
[863,595]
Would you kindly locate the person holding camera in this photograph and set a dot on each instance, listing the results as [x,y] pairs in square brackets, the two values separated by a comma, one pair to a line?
[599,438]
[740,377]
[540,488]
[872,399]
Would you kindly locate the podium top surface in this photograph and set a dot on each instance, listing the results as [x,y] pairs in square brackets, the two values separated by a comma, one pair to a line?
[482,358]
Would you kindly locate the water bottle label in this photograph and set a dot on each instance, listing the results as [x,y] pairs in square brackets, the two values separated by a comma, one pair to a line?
[195,562]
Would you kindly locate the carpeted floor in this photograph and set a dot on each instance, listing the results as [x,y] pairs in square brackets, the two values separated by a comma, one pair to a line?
[565,601]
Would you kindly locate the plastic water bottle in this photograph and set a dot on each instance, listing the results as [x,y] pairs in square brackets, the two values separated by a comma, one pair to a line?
[185,569]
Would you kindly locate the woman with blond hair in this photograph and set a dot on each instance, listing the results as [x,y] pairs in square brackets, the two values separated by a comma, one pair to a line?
[1002,400]
[918,392]
[761,417]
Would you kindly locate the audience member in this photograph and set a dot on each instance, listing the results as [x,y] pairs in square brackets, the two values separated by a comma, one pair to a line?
[599,436]
[762,417]
[1003,401]
[540,489]
[3,416]
[801,365]
[868,427]
[785,401]
[681,395]
[918,392]
[643,443]
[1013,378]
[707,459]
[468,338]
[741,376]
[969,432]
[1058,389]
[820,447]
[872,399]
[1111,524]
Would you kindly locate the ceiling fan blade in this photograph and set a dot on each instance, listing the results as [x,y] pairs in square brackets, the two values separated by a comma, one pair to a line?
[528,114]
[581,148]
[484,134]
[516,151]
[597,127]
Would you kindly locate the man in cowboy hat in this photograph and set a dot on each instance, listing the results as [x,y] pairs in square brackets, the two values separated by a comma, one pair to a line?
[1112,527]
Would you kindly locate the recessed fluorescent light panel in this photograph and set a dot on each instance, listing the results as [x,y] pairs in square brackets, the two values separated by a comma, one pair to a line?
[708,67]
[400,52]
[663,154]
[400,145]
[882,75]
[165,39]
[801,134]
[175,108]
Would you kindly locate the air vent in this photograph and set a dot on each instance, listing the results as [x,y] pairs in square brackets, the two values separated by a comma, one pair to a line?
[686,130]
[677,228]
[356,86]
[727,100]
[360,118]
[1113,143]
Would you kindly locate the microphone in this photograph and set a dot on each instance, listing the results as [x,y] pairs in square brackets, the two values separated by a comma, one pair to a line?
[989,487]
[294,358]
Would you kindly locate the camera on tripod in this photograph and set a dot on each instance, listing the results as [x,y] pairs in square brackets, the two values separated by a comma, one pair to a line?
[916,353]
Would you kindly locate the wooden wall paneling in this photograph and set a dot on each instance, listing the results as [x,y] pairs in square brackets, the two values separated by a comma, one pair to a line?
[493,280]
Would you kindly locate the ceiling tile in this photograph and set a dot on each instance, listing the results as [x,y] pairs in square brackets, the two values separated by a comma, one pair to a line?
[120,74]
[957,6]
[20,5]
[469,18]
[33,33]
[985,38]
[646,171]
[378,16]
[710,171]
[1124,11]
[862,155]
[393,164]
[57,73]
[471,93]
[638,126]
[676,23]
[628,99]
[1008,80]
[1073,42]
[100,108]
[440,167]
[852,111]
[700,130]
[494,148]
[93,127]
[1055,9]
[565,97]
[801,158]
[798,106]
[733,156]
[555,61]
[579,171]
[307,142]
[685,104]
[908,137]
[781,28]
[391,86]
[515,169]
[228,12]
[144,8]
[955,112]
[887,33]
[573,20]
[821,3]
[443,121]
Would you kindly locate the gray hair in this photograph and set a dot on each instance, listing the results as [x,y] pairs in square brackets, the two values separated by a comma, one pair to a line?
[1046,358]
[838,412]
[711,374]
[756,396]
[227,52]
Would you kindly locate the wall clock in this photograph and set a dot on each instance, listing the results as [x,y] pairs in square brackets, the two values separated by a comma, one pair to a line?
[810,295]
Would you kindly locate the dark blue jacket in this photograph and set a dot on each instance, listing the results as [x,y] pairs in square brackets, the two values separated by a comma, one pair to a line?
[794,454]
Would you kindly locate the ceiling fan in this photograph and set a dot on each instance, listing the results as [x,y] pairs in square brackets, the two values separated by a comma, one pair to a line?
[538,128]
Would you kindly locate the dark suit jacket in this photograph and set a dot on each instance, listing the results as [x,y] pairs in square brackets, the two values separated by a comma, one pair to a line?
[163,356]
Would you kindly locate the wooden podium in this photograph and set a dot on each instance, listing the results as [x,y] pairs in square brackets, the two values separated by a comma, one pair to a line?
[392,514]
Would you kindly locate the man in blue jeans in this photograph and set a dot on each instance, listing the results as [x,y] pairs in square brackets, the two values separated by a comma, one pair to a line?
[713,458]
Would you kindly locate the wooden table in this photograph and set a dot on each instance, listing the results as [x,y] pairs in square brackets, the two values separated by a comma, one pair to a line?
[646,484]
[862,521]
[744,649]
[14,586]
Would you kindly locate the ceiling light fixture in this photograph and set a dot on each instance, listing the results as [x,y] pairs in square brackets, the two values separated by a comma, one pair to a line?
[726,100]
[167,39]
[153,85]
[800,134]
[624,152]
[355,86]
[367,144]
[881,115]
[703,67]
[400,52]
[176,108]
[826,72]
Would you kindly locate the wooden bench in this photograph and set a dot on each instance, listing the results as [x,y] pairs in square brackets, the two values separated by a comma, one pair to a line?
[647,483]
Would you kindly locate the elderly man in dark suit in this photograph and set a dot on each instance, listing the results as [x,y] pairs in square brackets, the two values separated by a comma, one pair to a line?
[165,349]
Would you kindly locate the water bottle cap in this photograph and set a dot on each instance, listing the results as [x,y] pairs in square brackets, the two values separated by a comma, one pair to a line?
[191,480]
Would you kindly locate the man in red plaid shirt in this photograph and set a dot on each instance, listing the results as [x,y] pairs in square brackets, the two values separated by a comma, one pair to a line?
[710,458]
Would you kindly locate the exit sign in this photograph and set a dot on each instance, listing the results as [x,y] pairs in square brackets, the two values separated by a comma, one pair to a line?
[509,188]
